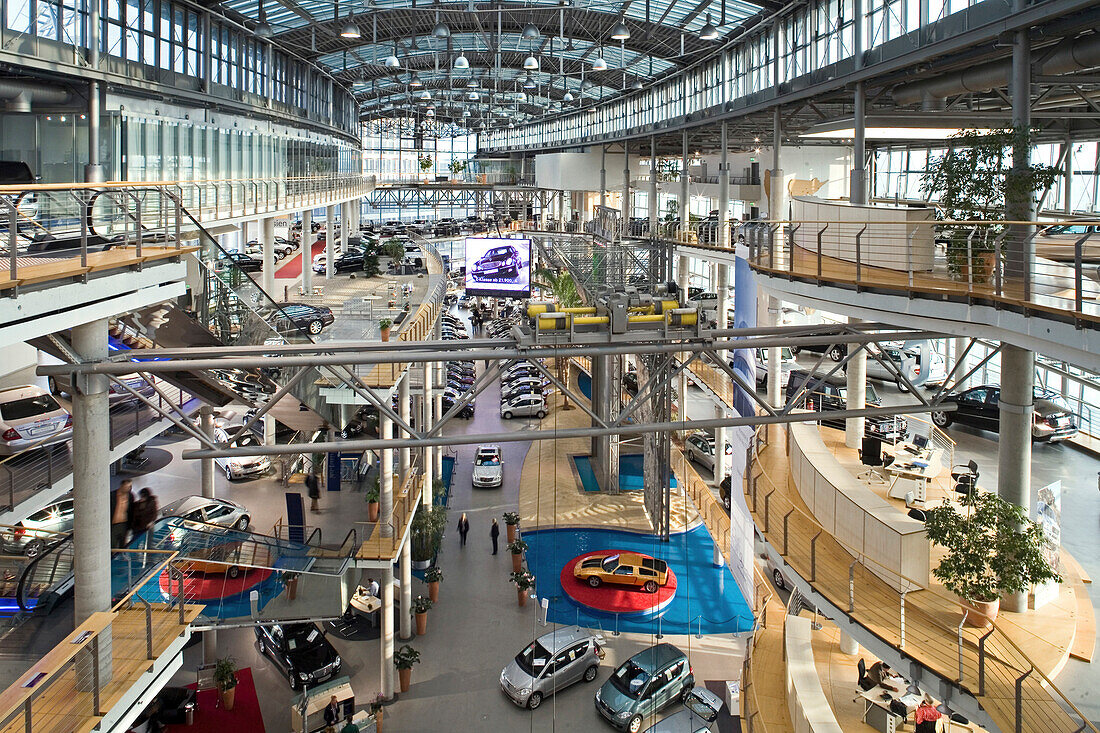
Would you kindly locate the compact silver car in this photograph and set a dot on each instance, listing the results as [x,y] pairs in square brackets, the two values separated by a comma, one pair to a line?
[488,467]
[701,709]
[31,535]
[221,512]
[529,405]
[551,663]
[31,417]
[699,448]
[241,466]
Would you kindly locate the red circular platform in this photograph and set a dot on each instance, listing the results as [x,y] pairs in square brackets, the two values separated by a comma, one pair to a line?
[213,586]
[616,599]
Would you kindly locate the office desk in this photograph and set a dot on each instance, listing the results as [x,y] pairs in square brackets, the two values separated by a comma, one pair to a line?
[918,466]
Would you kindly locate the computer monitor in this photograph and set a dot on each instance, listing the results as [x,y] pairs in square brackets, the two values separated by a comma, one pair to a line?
[920,442]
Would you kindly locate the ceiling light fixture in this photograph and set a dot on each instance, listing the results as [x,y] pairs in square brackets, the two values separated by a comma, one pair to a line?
[567,97]
[350,31]
[599,64]
[709,31]
[473,96]
[472,84]
[462,62]
[392,62]
[620,32]
[530,31]
[441,30]
[529,83]
[530,63]
[414,80]
[430,112]
[636,84]
[424,96]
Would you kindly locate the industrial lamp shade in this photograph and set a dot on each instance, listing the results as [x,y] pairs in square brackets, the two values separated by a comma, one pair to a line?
[530,31]
[414,80]
[263,30]
[586,84]
[473,96]
[599,64]
[462,62]
[530,63]
[391,62]
[529,83]
[424,96]
[620,32]
[709,31]
[567,97]
[636,84]
[430,113]
[441,30]
[350,30]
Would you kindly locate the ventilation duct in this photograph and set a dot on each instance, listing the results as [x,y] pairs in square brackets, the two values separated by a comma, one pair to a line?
[18,96]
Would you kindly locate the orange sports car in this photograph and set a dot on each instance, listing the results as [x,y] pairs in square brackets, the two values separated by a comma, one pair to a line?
[622,568]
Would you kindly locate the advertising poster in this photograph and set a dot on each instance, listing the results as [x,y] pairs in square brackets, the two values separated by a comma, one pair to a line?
[1048,513]
[498,267]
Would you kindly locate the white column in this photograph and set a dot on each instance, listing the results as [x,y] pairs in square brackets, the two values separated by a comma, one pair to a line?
[1016,408]
[405,566]
[654,213]
[682,276]
[307,252]
[426,454]
[92,490]
[206,465]
[848,644]
[724,192]
[775,363]
[404,454]
[330,249]
[267,241]
[685,193]
[627,209]
[721,460]
[385,499]
[386,671]
[437,395]
[857,394]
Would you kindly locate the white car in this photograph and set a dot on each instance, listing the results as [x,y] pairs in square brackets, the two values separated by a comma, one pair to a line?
[909,359]
[221,512]
[31,417]
[530,405]
[699,448]
[242,466]
[786,363]
[488,467]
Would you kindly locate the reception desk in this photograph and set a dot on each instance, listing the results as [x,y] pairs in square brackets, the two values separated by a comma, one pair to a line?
[809,708]
[894,237]
[890,543]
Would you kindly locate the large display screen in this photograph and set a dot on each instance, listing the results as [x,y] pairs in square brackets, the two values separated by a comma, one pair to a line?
[498,266]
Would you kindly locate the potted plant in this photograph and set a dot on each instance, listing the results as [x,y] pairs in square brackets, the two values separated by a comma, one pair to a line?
[376,710]
[290,580]
[992,549]
[428,526]
[524,581]
[433,576]
[425,162]
[511,521]
[384,328]
[404,659]
[517,548]
[373,493]
[972,182]
[421,606]
[457,166]
[225,679]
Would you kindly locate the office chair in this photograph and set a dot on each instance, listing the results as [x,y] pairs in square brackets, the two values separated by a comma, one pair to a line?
[918,515]
[863,682]
[965,477]
[871,455]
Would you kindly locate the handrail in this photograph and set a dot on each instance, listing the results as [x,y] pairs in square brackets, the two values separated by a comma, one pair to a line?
[345,178]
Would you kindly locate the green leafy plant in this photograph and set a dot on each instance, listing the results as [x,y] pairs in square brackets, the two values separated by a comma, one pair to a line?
[439,490]
[375,491]
[394,249]
[225,673]
[425,162]
[428,526]
[457,166]
[384,324]
[517,547]
[422,604]
[992,549]
[376,703]
[511,518]
[406,657]
[433,575]
[523,580]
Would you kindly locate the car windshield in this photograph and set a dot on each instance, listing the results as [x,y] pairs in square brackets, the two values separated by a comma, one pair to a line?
[1069,229]
[303,638]
[533,659]
[487,459]
[630,679]
[610,563]
[28,407]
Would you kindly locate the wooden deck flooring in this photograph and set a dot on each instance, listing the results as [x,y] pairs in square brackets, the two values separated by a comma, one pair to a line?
[51,269]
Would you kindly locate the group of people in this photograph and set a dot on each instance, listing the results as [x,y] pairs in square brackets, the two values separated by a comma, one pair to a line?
[131,516]
[332,718]
[925,716]
[464,529]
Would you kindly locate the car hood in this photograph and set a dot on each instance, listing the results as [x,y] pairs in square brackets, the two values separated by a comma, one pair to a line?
[589,562]
[1046,408]
[312,658]
[613,699]
[485,472]
[516,677]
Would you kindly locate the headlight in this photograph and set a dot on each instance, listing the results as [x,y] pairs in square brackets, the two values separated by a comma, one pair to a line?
[338,661]
[524,692]
[235,465]
[304,676]
[623,715]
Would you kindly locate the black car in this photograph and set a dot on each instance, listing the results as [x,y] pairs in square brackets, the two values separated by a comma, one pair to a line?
[446,228]
[979,407]
[466,412]
[507,394]
[348,261]
[830,394]
[836,352]
[300,651]
[630,382]
[241,260]
[292,316]
[499,262]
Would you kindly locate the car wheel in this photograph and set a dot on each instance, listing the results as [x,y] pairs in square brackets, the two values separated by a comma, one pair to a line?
[534,701]
[242,523]
[228,473]
[836,353]
[650,586]
[635,724]
[594,582]
[315,327]
[591,672]
[34,548]
[51,383]
[233,571]
[294,683]
[726,503]
[540,414]
[777,576]
[795,350]
[941,419]
[507,415]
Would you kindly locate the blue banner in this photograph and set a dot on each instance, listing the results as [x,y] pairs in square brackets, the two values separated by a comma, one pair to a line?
[744,316]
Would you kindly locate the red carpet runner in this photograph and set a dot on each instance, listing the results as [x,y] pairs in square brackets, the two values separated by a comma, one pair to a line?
[245,716]
[293,267]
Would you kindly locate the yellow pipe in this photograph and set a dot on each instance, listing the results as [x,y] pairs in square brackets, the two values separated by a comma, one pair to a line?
[683,317]
[591,320]
[538,308]
[646,319]
[553,322]
[580,310]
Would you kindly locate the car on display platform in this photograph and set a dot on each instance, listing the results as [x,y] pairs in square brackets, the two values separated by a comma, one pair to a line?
[907,360]
[725,488]
[551,663]
[700,711]
[498,263]
[826,394]
[836,352]
[31,418]
[116,393]
[350,261]
[300,651]
[699,448]
[241,261]
[488,467]
[289,317]
[30,536]
[466,301]
[979,407]
[537,383]
[241,466]
[531,405]
[622,568]
[644,685]
[208,510]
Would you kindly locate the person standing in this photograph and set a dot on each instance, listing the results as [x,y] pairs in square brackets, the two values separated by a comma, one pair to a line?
[463,529]
[926,716]
[144,514]
[332,712]
[349,726]
[313,484]
[494,532]
[120,514]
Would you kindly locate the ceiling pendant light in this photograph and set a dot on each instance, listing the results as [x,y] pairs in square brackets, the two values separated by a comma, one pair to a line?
[473,96]
[586,84]
[530,63]
[350,31]
[472,84]
[424,95]
[465,113]
[636,84]
[620,32]
[263,28]
[567,97]
[529,83]
[599,64]
[441,30]
[414,80]
[709,31]
[392,62]
[530,32]
[462,62]
[430,112]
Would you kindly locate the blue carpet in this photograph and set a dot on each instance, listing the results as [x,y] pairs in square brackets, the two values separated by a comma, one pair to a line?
[584,381]
[707,599]
[630,472]
[584,470]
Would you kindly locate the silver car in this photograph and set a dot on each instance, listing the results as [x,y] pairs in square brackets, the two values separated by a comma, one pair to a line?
[488,467]
[529,405]
[701,709]
[31,535]
[221,512]
[29,418]
[241,466]
[551,663]
[699,448]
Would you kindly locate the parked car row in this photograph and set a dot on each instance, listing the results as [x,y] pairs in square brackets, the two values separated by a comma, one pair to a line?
[522,393]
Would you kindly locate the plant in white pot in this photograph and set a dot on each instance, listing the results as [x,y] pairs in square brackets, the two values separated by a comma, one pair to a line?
[992,548]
